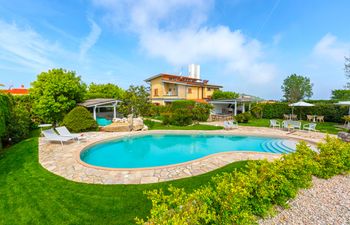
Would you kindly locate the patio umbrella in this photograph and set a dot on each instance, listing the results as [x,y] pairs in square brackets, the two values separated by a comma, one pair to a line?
[300,104]
[345,103]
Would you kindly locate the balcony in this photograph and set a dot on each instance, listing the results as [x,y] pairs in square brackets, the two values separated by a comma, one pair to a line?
[170,93]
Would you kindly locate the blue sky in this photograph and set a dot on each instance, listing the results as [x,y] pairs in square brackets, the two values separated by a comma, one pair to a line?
[248,46]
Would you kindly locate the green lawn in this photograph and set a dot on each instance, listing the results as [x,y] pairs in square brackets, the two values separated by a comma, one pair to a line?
[326,127]
[29,194]
[159,126]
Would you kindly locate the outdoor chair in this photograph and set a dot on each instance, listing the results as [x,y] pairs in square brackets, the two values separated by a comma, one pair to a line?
[294,117]
[51,135]
[320,118]
[310,127]
[286,116]
[64,132]
[310,117]
[275,123]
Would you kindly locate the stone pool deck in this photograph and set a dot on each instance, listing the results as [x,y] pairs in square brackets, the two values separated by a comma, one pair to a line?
[65,161]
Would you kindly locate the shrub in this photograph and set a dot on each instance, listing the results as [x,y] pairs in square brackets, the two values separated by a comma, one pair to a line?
[240,197]
[334,158]
[182,117]
[201,112]
[79,120]
[243,117]
[184,112]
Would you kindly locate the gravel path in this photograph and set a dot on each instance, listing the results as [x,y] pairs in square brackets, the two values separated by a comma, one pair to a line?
[327,202]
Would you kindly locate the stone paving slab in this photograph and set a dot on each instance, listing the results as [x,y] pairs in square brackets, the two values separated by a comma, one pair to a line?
[65,161]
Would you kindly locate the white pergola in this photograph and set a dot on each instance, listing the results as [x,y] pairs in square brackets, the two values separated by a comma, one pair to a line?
[234,102]
[344,103]
[101,103]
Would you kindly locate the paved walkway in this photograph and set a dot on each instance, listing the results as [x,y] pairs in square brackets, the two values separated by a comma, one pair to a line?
[65,161]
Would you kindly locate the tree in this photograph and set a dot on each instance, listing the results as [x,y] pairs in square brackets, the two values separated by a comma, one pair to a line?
[218,94]
[340,94]
[55,93]
[136,101]
[296,88]
[104,91]
[347,70]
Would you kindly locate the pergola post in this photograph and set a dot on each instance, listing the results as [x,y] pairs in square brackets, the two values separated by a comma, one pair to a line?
[115,111]
[235,112]
[243,108]
[95,112]
[250,106]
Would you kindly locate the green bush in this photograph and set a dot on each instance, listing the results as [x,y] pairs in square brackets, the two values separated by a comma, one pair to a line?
[184,112]
[182,117]
[201,112]
[243,117]
[79,120]
[334,158]
[240,197]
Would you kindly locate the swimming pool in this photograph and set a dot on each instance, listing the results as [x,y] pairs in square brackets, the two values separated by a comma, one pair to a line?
[101,121]
[166,149]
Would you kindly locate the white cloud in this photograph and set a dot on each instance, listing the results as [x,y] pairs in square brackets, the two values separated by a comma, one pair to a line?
[25,47]
[330,48]
[175,30]
[90,40]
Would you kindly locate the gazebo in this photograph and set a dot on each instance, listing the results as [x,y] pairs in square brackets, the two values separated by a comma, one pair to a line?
[98,103]
[230,106]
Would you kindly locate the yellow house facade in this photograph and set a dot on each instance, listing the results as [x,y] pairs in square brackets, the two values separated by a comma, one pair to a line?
[166,88]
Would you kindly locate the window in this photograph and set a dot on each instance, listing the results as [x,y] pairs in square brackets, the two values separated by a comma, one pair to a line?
[156,92]
[208,89]
[189,90]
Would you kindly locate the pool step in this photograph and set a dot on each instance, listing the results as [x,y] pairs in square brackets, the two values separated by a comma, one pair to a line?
[279,146]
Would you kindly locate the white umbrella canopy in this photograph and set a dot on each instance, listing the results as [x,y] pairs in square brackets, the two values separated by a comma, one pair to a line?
[344,103]
[300,104]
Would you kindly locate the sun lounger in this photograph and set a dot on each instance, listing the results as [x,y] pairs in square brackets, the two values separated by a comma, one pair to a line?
[51,135]
[274,123]
[310,127]
[64,132]
[228,125]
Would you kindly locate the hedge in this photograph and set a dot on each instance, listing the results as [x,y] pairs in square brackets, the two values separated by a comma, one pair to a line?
[15,118]
[331,112]
[242,197]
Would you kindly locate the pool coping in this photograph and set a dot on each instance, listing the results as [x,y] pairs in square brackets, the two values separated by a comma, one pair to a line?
[65,161]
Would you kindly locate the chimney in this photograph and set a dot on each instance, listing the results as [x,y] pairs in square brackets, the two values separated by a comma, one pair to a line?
[194,71]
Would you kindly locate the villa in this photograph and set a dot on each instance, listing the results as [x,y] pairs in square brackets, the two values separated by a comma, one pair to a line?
[166,88]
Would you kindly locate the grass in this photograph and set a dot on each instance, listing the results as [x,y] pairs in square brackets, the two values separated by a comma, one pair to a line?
[325,127]
[29,194]
[159,126]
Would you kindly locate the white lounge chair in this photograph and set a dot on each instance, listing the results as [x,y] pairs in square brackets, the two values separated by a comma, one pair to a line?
[229,125]
[275,123]
[310,127]
[51,135]
[64,132]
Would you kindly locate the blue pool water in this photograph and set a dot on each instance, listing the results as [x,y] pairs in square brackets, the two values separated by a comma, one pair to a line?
[160,150]
[101,121]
